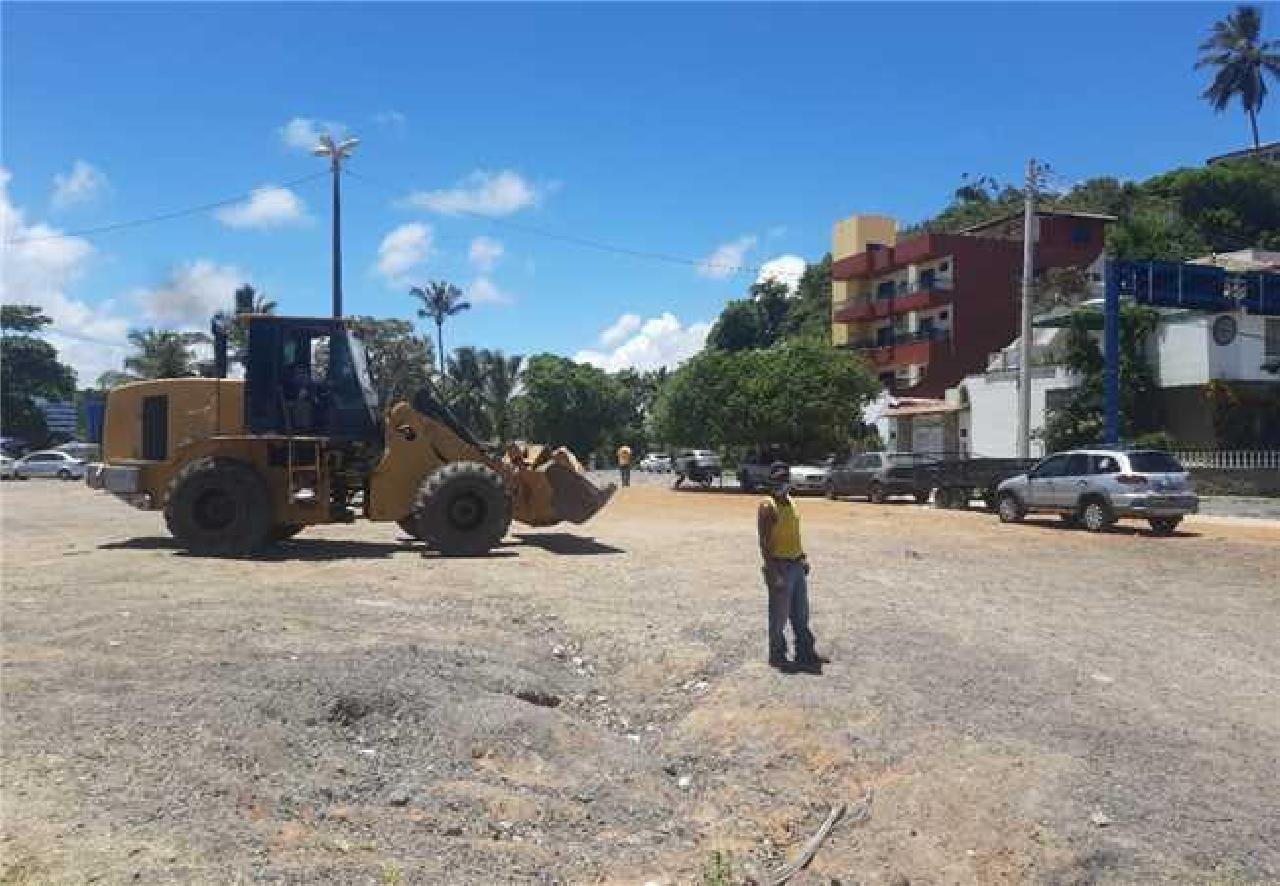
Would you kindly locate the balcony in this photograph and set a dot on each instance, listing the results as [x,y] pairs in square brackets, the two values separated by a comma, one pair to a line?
[927,294]
[906,349]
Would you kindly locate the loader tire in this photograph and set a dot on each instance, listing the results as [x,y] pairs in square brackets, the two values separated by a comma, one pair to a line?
[218,507]
[409,527]
[463,509]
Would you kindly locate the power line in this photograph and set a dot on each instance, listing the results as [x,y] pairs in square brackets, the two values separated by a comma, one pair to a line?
[577,240]
[163,216]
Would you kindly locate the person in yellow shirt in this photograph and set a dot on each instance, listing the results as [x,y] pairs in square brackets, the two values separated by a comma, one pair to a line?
[786,570]
[624,464]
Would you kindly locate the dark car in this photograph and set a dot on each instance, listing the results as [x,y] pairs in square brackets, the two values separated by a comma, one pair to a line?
[879,475]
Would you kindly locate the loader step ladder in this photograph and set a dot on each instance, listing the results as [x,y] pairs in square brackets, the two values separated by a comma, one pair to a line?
[304,478]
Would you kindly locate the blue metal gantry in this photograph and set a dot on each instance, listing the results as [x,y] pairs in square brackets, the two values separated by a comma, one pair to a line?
[1173,285]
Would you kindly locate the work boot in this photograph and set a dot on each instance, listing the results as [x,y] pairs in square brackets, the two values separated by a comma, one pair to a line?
[810,662]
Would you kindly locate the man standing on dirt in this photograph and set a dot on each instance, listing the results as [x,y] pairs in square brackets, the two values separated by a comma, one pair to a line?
[786,571]
[624,464]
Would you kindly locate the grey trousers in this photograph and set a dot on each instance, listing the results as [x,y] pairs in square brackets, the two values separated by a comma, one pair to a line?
[789,601]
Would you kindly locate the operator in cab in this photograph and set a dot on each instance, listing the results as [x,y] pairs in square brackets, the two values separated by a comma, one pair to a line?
[786,571]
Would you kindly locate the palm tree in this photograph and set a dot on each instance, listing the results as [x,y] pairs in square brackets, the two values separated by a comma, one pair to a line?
[465,389]
[1240,56]
[163,354]
[501,377]
[440,300]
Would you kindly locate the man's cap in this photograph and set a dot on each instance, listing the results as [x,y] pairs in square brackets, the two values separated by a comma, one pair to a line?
[779,470]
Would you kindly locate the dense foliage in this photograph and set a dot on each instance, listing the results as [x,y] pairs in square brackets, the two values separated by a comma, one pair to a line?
[572,404]
[805,396]
[1079,422]
[29,368]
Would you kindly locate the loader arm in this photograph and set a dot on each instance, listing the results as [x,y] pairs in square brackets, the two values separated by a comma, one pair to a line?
[546,487]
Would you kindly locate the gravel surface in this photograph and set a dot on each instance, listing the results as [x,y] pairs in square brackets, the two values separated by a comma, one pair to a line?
[1027,703]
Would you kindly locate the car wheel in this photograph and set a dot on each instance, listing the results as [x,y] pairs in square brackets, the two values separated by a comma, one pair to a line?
[1010,509]
[875,494]
[922,496]
[1096,515]
[1164,525]
[829,490]
[744,480]
[64,474]
[679,479]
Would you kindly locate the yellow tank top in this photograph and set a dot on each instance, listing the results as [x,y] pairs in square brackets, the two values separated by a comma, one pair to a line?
[784,538]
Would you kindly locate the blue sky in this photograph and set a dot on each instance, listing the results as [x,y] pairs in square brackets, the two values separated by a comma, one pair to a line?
[681,130]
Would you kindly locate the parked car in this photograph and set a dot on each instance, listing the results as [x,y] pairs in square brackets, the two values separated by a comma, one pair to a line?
[879,475]
[7,468]
[809,479]
[49,463]
[656,463]
[1096,487]
[83,451]
[699,465]
[753,473]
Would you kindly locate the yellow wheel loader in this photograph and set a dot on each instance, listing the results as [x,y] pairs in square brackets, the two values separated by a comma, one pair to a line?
[238,464]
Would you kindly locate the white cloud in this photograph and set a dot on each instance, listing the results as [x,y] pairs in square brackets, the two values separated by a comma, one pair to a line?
[194,292]
[658,341]
[302,133]
[404,249]
[480,193]
[485,252]
[727,258]
[484,291]
[267,207]
[81,184]
[786,269]
[37,266]
[391,119]
[623,328]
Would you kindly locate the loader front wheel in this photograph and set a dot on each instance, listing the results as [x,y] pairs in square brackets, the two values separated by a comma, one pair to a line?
[463,509]
[218,507]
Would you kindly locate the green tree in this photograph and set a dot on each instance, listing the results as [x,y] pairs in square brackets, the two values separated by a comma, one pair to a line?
[802,395]
[571,404]
[809,311]
[1079,422]
[29,368]
[400,360]
[23,318]
[238,333]
[464,389]
[1240,57]
[161,353]
[440,301]
[501,377]
[738,328]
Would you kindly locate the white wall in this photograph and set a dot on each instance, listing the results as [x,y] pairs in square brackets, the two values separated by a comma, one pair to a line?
[1186,353]
[992,419]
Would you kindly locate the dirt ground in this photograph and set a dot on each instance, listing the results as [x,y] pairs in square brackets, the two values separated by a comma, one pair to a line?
[1026,703]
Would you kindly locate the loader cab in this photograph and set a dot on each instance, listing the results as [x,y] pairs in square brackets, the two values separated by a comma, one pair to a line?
[307,376]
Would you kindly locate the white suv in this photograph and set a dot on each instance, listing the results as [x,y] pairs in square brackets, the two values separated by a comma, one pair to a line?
[1095,487]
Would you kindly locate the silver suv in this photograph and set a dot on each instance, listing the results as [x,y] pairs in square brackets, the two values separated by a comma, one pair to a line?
[1096,487]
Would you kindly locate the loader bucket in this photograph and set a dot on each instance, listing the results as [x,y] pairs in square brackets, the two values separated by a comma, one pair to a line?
[573,496]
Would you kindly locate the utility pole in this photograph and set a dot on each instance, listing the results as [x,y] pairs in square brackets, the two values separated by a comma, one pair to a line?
[336,152]
[1024,342]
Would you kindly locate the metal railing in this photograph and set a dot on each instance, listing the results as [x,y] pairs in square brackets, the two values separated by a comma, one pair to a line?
[902,338]
[1230,459]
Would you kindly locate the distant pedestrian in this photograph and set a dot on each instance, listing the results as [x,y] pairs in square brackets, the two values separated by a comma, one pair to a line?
[624,464]
[786,570]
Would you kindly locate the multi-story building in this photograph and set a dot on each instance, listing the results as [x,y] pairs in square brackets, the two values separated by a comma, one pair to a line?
[928,310]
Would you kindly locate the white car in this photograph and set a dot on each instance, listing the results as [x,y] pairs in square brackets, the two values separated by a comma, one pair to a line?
[809,478]
[656,463]
[49,463]
[7,468]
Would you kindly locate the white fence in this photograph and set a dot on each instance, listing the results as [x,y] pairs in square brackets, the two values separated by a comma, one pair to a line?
[1231,459]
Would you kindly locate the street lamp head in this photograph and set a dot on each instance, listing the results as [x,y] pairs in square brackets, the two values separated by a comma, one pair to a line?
[348,145]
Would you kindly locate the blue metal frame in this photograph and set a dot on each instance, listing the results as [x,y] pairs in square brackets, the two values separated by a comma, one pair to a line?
[1172,285]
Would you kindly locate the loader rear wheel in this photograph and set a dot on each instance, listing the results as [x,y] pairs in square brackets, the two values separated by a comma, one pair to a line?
[218,506]
[463,509]
[409,527]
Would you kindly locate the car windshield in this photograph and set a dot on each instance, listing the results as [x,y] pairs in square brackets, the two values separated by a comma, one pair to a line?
[1154,463]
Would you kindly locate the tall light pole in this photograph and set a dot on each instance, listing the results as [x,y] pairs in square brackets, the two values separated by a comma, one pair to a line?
[1024,343]
[336,152]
